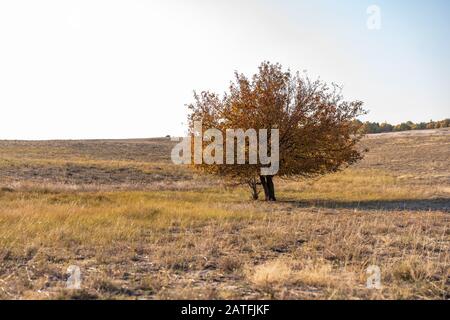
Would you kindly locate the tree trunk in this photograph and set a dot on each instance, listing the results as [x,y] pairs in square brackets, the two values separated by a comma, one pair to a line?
[264,185]
[269,188]
[254,188]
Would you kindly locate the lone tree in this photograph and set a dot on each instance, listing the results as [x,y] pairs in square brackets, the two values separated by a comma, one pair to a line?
[317,128]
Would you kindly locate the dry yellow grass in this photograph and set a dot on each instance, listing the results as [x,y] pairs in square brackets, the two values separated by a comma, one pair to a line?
[191,238]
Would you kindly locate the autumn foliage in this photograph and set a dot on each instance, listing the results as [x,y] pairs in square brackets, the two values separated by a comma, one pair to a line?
[317,131]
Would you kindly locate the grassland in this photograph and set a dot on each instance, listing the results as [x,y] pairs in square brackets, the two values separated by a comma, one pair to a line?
[141,228]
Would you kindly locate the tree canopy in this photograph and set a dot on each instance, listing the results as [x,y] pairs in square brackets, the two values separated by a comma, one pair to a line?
[318,133]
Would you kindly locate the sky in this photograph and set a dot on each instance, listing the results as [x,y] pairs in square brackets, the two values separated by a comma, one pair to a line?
[125,69]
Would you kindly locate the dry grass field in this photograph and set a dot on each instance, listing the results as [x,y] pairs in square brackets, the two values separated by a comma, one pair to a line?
[141,228]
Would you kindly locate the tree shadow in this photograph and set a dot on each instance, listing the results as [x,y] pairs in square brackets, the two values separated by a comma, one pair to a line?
[438,204]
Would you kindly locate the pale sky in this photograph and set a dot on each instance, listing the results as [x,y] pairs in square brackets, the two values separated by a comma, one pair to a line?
[126,69]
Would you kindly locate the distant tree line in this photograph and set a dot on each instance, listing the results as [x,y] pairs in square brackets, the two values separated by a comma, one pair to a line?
[375,127]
